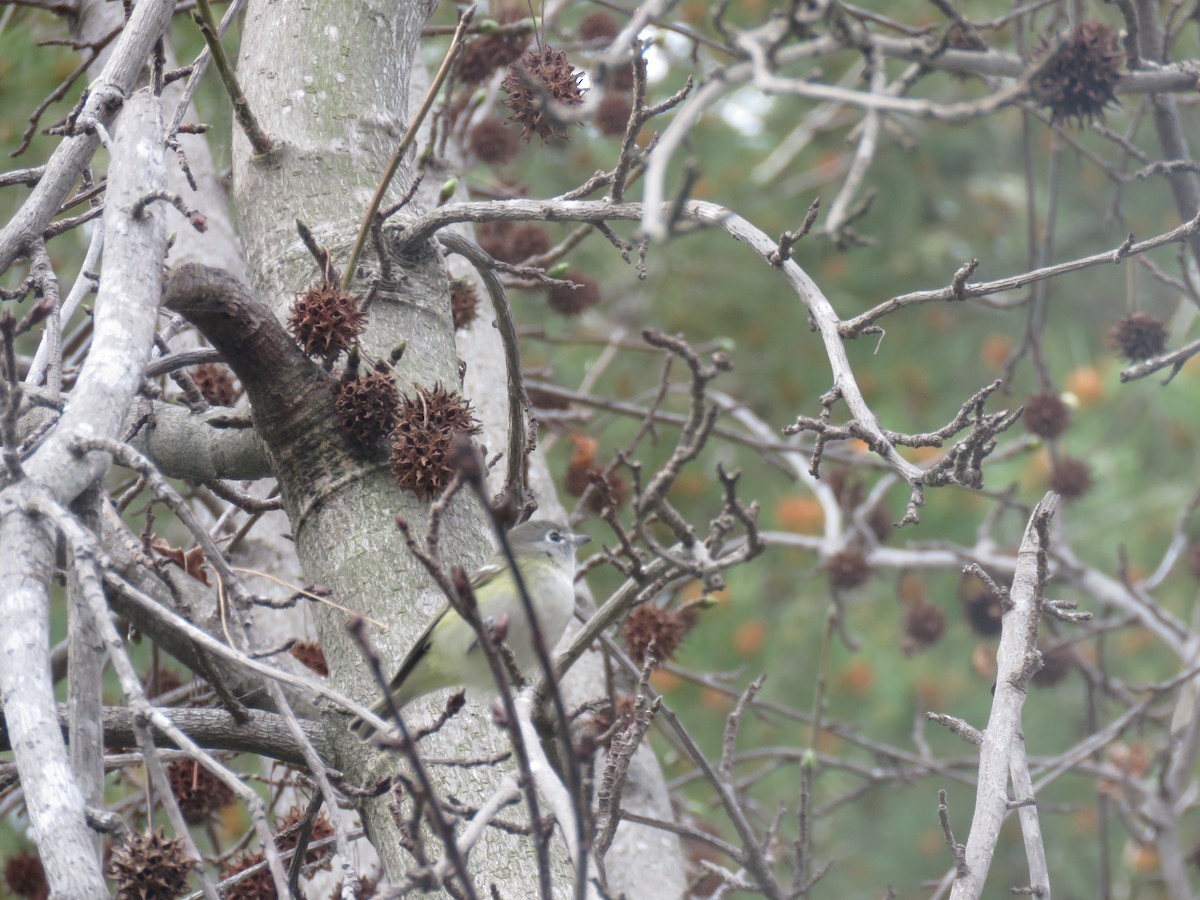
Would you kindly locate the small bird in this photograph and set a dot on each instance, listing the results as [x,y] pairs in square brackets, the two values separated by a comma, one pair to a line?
[448,654]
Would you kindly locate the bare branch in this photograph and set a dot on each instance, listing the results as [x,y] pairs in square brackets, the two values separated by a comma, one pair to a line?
[1016,661]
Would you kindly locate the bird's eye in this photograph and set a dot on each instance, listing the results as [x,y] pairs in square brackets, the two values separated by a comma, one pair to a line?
[556,537]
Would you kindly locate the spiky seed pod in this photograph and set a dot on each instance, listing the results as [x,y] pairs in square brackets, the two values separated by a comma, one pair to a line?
[489,52]
[464,304]
[881,524]
[366,407]
[1056,665]
[310,654]
[1071,478]
[924,624]
[1138,336]
[618,490]
[484,55]
[577,479]
[325,321]
[598,25]
[25,876]
[612,114]
[475,61]
[1046,415]
[161,683]
[1080,79]
[421,461]
[495,238]
[216,384]
[961,39]
[666,626]
[526,240]
[426,428]
[197,790]
[289,836]
[574,301]
[847,569]
[981,607]
[539,80]
[258,886]
[848,489]
[448,408]
[621,79]
[591,731]
[150,866]
[582,465]
[493,142]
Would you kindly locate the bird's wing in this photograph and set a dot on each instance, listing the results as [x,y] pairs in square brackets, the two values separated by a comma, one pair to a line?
[418,651]
[486,571]
[491,569]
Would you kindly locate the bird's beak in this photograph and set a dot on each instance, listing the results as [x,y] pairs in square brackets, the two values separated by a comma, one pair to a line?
[578,540]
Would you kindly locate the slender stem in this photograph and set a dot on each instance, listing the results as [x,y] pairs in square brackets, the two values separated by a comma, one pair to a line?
[258,138]
[822,677]
[515,489]
[364,230]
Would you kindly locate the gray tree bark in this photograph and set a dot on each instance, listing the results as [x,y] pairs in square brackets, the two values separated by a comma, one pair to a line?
[329,81]
[125,312]
[334,86]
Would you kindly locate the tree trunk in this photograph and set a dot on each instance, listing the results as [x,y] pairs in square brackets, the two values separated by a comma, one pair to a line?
[333,86]
[330,83]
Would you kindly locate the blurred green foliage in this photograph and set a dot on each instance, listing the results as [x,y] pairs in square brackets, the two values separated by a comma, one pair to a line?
[956,193]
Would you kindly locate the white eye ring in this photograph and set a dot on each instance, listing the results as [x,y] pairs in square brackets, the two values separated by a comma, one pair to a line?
[556,537]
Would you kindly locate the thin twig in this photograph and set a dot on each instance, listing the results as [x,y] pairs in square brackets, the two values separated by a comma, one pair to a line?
[259,140]
[410,134]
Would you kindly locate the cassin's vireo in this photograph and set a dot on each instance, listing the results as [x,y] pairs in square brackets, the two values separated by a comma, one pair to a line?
[448,654]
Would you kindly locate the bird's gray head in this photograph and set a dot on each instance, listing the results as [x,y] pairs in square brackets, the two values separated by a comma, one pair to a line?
[543,536]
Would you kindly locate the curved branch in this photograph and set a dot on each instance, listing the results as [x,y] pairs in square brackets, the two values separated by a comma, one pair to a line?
[1177,78]
[823,315]
[274,371]
[1172,137]
[1016,661]
[197,447]
[291,396]
[515,495]
[961,289]
[263,733]
[132,581]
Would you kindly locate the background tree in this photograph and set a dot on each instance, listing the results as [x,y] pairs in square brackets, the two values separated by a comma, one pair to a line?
[431,313]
